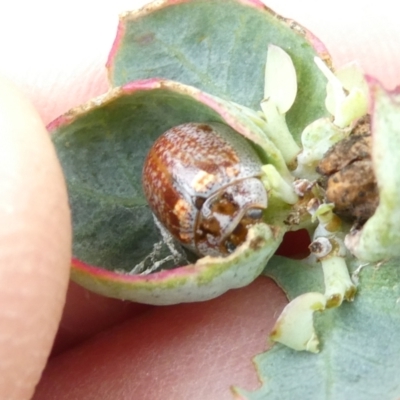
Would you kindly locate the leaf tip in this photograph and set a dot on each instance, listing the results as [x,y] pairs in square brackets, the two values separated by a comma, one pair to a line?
[294,328]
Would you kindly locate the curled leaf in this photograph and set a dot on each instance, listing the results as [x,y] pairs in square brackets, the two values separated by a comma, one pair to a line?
[101,146]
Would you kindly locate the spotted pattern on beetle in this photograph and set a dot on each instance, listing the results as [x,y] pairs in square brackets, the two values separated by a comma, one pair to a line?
[202,182]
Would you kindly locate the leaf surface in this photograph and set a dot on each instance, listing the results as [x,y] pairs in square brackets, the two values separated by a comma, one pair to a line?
[360,355]
[221,48]
[102,146]
[102,149]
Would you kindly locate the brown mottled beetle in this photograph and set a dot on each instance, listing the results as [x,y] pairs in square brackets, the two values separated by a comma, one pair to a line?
[350,181]
[202,182]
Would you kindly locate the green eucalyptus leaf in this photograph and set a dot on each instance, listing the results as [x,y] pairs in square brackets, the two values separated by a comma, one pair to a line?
[219,47]
[209,277]
[101,146]
[360,355]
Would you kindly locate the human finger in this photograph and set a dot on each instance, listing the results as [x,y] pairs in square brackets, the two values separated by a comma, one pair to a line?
[35,242]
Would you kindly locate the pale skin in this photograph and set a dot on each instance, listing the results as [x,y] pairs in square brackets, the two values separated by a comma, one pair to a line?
[193,351]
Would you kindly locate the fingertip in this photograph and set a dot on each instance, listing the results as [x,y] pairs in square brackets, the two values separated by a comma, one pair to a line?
[35,237]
